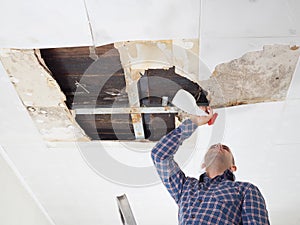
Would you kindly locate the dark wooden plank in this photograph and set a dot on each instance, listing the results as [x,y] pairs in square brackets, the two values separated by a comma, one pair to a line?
[111,136]
[92,103]
[119,73]
[155,125]
[108,127]
[108,50]
[105,117]
[107,122]
[83,65]
[92,84]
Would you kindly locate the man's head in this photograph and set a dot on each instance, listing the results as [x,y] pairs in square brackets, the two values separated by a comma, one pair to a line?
[219,158]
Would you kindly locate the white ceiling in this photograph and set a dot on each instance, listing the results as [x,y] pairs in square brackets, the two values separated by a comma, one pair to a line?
[43,24]
[264,137]
[39,24]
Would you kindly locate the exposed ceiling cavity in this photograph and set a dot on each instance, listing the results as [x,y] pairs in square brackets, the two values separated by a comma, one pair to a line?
[117,94]
[122,91]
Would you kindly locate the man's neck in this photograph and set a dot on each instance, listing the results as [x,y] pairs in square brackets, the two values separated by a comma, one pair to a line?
[213,173]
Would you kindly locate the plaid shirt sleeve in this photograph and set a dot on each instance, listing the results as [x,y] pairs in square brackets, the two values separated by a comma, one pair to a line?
[163,157]
[254,208]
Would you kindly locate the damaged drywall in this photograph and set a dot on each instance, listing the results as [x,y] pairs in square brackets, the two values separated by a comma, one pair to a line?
[33,83]
[162,54]
[255,77]
[138,56]
[41,95]
[258,76]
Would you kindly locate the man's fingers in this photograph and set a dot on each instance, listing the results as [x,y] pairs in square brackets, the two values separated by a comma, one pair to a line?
[210,111]
[201,120]
[204,108]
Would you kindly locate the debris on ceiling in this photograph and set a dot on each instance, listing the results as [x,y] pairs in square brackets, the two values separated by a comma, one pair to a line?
[123,91]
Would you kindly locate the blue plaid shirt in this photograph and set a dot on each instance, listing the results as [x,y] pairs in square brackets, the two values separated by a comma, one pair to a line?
[220,200]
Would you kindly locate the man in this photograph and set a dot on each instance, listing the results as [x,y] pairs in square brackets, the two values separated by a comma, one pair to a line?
[216,198]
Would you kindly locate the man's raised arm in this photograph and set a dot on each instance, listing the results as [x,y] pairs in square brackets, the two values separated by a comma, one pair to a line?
[163,154]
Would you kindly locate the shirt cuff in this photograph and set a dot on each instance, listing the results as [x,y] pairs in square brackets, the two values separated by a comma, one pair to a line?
[187,128]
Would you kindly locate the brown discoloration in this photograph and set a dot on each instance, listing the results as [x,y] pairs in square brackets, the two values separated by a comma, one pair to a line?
[135,75]
[294,47]
[134,110]
[136,117]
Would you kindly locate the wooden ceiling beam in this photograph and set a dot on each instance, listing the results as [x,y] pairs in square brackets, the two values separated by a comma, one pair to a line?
[131,78]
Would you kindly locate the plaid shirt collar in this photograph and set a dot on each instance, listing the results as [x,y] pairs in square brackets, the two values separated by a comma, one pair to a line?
[227,175]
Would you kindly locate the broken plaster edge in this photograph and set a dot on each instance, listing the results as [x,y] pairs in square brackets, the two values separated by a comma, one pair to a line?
[48,126]
[179,53]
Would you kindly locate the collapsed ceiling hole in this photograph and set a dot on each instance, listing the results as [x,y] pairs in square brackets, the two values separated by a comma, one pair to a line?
[129,100]
[101,85]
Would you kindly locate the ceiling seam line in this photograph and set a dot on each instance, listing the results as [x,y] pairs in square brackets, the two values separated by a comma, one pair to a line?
[93,53]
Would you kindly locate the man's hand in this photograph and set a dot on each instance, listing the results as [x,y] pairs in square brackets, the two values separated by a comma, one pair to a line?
[201,120]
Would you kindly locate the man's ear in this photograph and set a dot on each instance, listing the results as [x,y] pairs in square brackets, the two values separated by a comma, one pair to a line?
[233,168]
[203,166]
